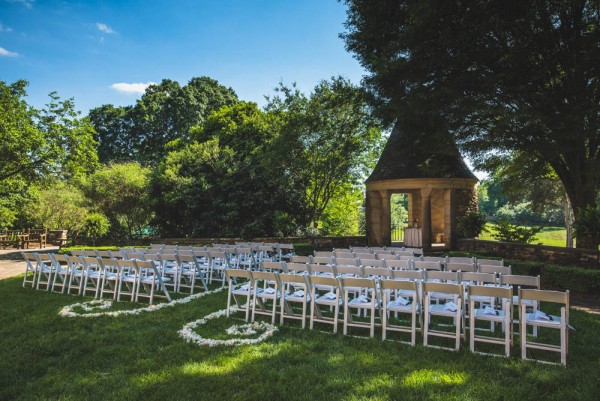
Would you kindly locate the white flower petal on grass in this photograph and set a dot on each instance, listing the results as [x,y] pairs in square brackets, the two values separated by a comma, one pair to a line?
[187,332]
[69,310]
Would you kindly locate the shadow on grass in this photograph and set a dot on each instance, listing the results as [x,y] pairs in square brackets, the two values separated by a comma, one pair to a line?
[45,356]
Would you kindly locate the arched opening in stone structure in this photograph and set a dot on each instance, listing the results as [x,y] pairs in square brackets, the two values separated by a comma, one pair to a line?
[399,217]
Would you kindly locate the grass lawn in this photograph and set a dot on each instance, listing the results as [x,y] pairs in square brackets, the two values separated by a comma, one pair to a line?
[45,356]
[551,236]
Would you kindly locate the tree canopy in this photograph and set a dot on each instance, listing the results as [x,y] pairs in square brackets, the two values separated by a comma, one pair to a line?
[503,76]
[166,112]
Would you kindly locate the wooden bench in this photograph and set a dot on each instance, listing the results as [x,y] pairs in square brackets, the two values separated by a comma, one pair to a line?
[39,240]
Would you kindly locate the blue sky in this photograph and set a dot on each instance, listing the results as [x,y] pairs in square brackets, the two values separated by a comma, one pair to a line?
[95,51]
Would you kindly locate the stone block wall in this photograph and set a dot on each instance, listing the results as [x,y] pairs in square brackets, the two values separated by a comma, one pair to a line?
[538,253]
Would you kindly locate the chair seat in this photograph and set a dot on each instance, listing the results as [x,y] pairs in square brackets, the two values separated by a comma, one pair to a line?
[268,293]
[243,290]
[397,306]
[111,276]
[150,280]
[297,296]
[327,299]
[532,319]
[363,301]
[441,310]
[129,278]
[484,314]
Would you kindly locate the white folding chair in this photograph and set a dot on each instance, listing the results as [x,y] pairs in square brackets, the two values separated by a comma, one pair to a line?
[31,269]
[285,251]
[62,269]
[150,280]
[461,260]
[191,271]
[45,272]
[325,292]
[300,259]
[491,314]
[271,292]
[295,291]
[496,269]
[243,259]
[111,277]
[171,269]
[462,267]
[452,309]
[130,277]
[392,301]
[77,275]
[92,278]
[366,300]
[539,319]
[240,285]
[397,264]
[517,282]
[219,262]
[427,265]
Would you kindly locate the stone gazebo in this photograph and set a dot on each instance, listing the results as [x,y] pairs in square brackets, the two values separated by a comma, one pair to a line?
[439,185]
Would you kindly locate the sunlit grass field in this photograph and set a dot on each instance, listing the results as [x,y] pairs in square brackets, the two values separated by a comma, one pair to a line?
[551,236]
[48,357]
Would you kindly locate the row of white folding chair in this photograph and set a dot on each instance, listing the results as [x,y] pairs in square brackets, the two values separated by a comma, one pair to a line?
[132,278]
[97,275]
[301,289]
[419,276]
[387,296]
[185,270]
[337,293]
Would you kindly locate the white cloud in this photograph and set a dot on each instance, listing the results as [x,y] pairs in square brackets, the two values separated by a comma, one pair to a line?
[7,53]
[4,28]
[132,88]
[26,3]
[104,28]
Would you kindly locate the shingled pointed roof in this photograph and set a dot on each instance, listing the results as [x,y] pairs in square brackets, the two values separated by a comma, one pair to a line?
[425,156]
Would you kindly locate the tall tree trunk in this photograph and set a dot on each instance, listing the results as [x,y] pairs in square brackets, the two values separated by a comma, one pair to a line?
[568,210]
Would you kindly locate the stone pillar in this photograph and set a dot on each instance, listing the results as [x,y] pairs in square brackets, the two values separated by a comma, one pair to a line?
[373,219]
[426,217]
[385,218]
[450,218]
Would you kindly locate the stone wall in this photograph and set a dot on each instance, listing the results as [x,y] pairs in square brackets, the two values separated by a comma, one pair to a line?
[319,243]
[538,253]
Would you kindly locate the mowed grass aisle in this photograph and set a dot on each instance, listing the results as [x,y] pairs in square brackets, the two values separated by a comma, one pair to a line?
[44,356]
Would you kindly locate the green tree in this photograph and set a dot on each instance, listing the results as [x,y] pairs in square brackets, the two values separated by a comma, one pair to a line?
[60,206]
[114,133]
[121,193]
[38,146]
[42,144]
[185,190]
[342,216]
[167,111]
[329,139]
[504,76]
[223,183]
[95,225]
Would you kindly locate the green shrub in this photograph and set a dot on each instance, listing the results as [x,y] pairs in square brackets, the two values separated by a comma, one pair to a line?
[66,250]
[587,224]
[509,232]
[471,225]
[304,249]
